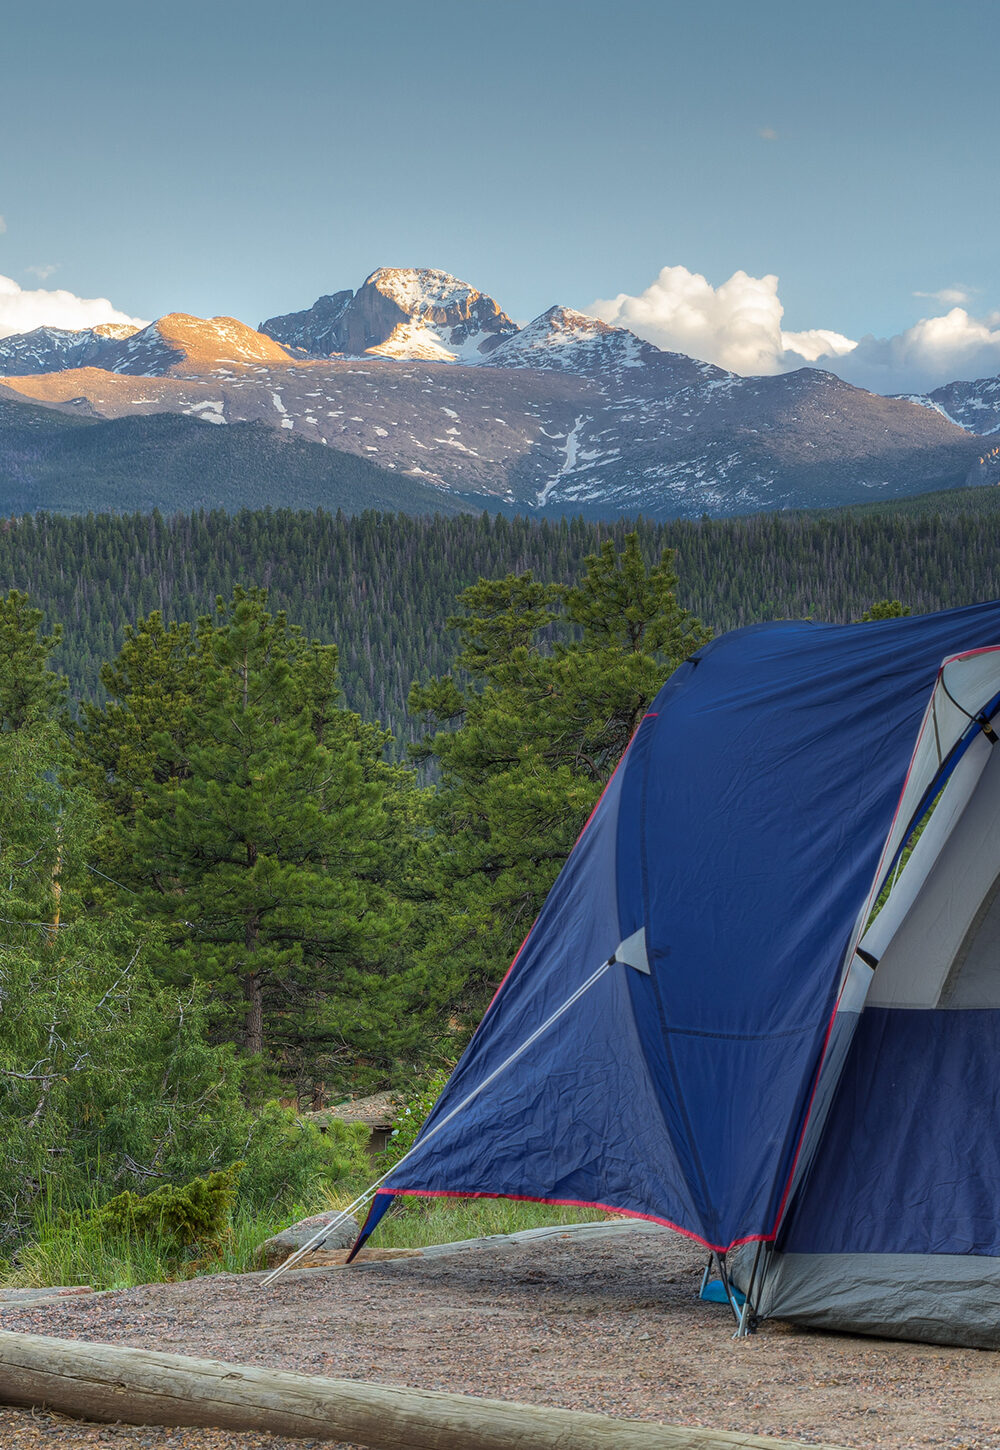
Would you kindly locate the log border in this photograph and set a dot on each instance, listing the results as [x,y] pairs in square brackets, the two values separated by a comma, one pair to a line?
[148,1387]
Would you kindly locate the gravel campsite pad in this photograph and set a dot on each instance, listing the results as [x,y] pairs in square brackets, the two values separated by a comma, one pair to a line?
[610,1325]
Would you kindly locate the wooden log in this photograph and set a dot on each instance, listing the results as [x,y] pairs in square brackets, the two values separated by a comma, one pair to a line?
[145,1387]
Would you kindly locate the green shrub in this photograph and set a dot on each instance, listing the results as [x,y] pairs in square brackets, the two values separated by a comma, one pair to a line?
[85,1252]
[289,1160]
[412,1109]
[132,1238]
[196,1213]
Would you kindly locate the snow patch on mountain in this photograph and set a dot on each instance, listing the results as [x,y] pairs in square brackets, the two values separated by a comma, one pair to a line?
[419,340]
[974,406]
[419,290]
[568,464]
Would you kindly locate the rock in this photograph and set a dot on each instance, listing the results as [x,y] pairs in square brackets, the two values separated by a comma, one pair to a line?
[21,1298]
[337,1258]
[398,312]
[275,1251]
[314,330]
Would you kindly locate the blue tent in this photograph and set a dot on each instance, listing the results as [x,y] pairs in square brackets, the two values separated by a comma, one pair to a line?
[712,1026]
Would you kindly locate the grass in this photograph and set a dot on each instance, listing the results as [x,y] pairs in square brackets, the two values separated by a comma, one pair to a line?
[57,1255]
[60,1255]
[415,1222]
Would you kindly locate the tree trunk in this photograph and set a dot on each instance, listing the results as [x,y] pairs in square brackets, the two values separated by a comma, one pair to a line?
[143,1387]
[253,1022]
[253,987]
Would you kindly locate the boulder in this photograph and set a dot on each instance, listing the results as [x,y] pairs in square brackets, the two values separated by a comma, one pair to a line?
[275,1251]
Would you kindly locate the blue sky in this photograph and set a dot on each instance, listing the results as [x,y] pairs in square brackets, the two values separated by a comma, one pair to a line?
[237,157]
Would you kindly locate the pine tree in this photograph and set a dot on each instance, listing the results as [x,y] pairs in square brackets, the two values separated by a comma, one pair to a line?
[29,691]
[254,818]
[560,679]
[885,609]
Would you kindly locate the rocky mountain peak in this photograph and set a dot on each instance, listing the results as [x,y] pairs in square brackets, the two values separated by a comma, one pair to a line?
[47,349]
[399,312]
[568,319]
[972,405]
[224,337]
[115,331]
[182,343]
[572,341]
[421,290]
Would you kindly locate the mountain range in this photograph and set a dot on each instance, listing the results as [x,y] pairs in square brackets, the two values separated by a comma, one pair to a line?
[419,392]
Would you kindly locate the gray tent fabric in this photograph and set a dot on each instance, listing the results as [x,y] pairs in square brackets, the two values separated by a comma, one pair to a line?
[632,951]
[938,946]
[935,1298]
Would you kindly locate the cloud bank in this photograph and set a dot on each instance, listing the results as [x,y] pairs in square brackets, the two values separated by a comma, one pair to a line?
[22,310]
[737,325]
[933,351]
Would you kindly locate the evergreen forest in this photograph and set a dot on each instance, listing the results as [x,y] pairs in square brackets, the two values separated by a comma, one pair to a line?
[382,586]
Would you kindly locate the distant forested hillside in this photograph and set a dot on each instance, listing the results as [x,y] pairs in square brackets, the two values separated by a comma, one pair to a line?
[381,586]
[69,464]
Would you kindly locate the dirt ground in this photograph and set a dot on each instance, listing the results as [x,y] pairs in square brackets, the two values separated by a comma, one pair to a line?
[610,1326]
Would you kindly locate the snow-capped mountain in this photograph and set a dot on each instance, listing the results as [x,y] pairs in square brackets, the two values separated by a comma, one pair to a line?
[427,377]
[572,342]
[50,348]
[398,312]
[975,406]
[190,346]
[177,342]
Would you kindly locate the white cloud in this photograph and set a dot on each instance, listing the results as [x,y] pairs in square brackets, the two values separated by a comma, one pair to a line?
[3,226]
[816,342]
[737,325]
[948,296]
[22,310]
[767,133]
[42,273]
[933,351]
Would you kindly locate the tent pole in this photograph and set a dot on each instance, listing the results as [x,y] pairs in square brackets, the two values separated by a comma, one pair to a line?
[720,1259]
[365,1198]
[704,1277]
[745,1318]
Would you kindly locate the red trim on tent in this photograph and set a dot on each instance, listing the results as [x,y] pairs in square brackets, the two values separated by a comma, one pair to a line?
[970,654]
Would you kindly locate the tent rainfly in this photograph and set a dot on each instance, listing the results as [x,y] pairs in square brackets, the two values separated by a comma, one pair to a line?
[754,1053]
